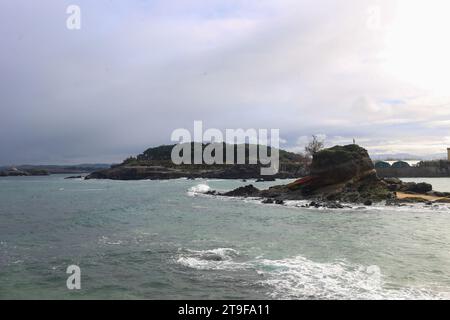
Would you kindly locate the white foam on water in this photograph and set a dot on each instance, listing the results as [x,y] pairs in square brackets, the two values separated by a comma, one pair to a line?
[107,241]
[199,189]
[215,259]
[300,278]
[348,207]
[82,190]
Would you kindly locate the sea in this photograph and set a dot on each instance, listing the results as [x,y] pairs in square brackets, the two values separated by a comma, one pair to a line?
[168,240]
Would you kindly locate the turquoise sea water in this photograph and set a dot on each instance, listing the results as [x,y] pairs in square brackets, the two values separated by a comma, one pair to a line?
[166,240]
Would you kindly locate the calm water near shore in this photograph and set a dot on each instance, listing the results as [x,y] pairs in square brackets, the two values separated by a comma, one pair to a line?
[166,240]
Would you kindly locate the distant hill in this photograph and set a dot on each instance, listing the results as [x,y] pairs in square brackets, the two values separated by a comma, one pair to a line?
[51,169]
[408,156]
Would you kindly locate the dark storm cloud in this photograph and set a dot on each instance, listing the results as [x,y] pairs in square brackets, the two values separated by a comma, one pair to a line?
[139,69]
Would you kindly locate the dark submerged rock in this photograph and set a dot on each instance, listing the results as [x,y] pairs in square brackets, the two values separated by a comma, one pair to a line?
[266,179]
[420,187]
[247,191]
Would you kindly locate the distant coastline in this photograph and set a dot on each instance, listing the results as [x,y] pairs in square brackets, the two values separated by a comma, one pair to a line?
[423,169]
[43,170]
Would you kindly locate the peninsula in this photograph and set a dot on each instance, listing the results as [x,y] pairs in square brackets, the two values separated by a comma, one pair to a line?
[156,164]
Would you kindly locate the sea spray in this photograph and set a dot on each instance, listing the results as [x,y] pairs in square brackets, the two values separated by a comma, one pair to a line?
[199,189]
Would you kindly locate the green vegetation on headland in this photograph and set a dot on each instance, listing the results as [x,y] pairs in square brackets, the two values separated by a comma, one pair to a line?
[156,163]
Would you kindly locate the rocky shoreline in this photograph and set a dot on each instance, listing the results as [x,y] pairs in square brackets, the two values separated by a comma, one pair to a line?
[235,172]
[339,175]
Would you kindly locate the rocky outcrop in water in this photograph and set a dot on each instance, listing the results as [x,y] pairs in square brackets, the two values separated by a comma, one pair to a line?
[342,174]
[247,191]
[395,184]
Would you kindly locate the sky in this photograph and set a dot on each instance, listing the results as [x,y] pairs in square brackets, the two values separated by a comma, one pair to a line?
[371,70]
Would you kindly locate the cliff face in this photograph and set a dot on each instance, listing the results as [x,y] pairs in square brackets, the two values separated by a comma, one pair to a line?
[348,164]
[156,164]
[341,173]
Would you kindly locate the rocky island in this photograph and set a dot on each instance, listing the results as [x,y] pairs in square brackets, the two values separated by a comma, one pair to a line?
[156,164]
[343,174]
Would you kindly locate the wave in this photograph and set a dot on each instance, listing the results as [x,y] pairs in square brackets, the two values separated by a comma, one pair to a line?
[81,190]
[300,278]
[199,189]
[347,207]
[215,259]
[106,241]
[203,188]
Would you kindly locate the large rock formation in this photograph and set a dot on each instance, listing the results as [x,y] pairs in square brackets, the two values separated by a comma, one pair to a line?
[341,164]
[344,173]
[341,173]
[341,168]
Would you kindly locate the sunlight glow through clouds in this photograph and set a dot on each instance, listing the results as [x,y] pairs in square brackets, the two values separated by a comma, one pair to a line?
[417,46]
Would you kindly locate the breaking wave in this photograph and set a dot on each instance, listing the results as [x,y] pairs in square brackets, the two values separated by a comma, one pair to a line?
[215,259]
[300,278]
[199,189]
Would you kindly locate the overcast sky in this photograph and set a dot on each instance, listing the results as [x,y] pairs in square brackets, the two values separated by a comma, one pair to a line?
[376,71]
